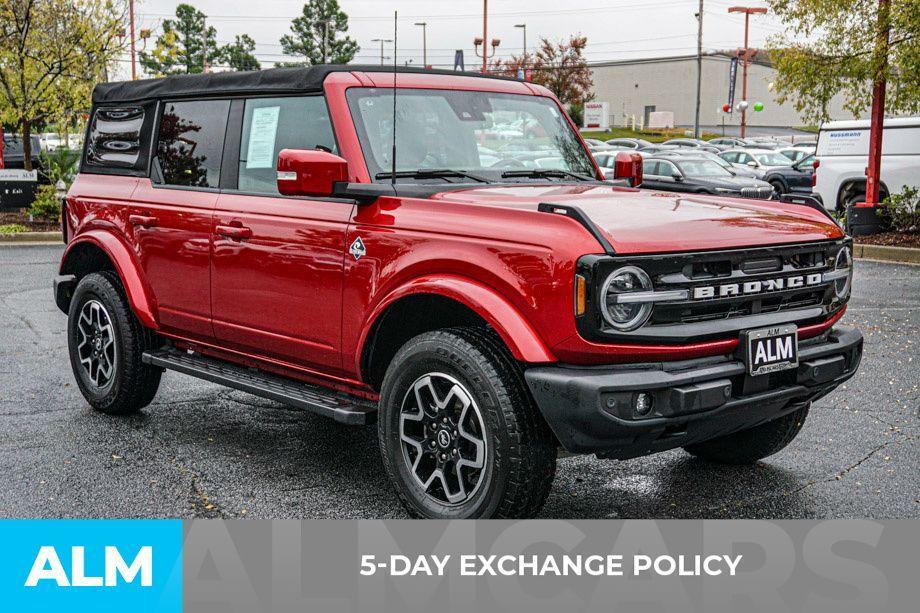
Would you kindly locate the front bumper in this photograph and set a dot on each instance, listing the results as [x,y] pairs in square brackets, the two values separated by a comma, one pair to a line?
[591,409]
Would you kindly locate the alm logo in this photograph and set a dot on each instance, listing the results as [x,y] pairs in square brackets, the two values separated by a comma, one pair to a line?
[48,567]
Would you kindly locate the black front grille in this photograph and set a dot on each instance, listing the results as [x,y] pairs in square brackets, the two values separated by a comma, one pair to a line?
[728,291]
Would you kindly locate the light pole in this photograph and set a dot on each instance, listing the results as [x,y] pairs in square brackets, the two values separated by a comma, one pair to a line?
[523,26]
[699,70]
[485,35]
[748,11]
[382,41]
[424,26]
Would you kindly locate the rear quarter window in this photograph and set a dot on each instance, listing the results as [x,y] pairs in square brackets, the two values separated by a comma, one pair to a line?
[118,139]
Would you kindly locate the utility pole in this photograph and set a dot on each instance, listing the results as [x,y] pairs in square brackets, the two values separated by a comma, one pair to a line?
[424,26]
[133,60]
[382,41]
[523,26]
[699,70]
[748,11]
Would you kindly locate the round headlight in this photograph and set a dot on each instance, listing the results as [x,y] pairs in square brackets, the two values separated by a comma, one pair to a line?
[844,261]
[625,315]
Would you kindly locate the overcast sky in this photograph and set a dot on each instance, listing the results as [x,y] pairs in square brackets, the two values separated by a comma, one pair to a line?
[616,29]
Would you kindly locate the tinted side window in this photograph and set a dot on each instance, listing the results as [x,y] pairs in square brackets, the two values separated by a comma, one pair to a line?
[273,124]
[730,157]
[649,167]
[191,141]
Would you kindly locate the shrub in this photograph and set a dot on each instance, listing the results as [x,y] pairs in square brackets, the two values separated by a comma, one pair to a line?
[901,212]
[46,205]
[12,228]
[59,165]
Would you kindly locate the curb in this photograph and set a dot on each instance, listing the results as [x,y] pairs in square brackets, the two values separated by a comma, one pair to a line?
[899,255]
[32,237]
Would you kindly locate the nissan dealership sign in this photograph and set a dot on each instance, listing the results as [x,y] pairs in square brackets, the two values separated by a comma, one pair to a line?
[597,116]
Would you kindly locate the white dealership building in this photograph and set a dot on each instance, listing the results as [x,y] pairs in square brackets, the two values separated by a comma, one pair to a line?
[641,87]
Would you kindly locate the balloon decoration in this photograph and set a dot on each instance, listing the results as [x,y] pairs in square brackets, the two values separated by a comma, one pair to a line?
[758,106]
[726,108]
[742,106]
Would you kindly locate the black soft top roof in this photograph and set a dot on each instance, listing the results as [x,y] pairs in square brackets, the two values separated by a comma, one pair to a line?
[272,80]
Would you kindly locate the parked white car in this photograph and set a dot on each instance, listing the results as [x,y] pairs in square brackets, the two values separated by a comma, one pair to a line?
[843,155]
[51,141]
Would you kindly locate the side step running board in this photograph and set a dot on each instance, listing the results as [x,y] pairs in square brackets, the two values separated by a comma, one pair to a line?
[340,407]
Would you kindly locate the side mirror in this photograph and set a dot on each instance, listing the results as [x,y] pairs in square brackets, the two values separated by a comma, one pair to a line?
[303,172]
[677,177]
[752,164]
[628,166]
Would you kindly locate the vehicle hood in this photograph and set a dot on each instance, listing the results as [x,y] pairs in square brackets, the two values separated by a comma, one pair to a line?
[648,221]
[742,171]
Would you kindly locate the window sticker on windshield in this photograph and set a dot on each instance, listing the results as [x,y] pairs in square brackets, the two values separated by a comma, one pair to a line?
[262,133]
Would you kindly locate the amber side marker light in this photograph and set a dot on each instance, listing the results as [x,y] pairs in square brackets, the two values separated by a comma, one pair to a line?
[580,294]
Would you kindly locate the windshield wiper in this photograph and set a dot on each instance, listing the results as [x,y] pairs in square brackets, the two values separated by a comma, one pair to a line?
[541,173]
[431,173]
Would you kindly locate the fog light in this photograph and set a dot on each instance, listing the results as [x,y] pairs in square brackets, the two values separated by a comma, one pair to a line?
[643,404]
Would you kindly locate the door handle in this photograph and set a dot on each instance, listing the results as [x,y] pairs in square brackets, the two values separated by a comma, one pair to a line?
[234,232]
[142,220]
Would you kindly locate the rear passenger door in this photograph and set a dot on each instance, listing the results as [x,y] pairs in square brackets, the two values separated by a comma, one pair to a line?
[171,213]
[276,271]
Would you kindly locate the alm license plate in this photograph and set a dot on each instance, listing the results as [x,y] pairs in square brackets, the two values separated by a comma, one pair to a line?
[772,349]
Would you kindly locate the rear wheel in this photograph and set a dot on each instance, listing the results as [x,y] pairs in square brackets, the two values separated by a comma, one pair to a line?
[105,343]
[459,434]
[748,446]
[778,188]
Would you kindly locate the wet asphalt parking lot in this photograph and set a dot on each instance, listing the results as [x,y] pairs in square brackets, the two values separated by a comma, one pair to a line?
[205,451]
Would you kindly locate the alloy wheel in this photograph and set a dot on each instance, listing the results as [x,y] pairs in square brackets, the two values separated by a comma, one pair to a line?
[96,343]
[442,435]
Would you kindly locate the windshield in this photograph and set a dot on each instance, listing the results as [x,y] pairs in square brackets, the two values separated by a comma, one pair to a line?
[468,131]
[702,168]
[773,159]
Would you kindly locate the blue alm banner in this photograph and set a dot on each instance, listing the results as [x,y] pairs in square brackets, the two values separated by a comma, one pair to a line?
[91,565]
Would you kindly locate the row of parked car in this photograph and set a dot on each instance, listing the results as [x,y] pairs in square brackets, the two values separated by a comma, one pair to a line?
[762,168]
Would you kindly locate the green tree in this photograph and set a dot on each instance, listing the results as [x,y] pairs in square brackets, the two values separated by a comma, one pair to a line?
[315,35]
[833,46]
[238,55]
[183,44]
[562,68]
[52,52]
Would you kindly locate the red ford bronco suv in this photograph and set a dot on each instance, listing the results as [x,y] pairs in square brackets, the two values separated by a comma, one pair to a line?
[487,298]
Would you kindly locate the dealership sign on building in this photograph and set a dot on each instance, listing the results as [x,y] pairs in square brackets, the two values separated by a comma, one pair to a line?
[597,116]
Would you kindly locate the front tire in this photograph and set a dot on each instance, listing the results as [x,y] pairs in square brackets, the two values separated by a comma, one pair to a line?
[458,431]
[753,444]
[106,342]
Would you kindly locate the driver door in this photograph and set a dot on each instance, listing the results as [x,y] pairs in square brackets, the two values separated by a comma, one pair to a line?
[277,264]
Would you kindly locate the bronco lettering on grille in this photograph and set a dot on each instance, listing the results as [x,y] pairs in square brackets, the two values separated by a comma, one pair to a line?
[747,288]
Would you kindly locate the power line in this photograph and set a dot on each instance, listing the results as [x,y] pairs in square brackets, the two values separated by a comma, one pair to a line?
[514,14]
